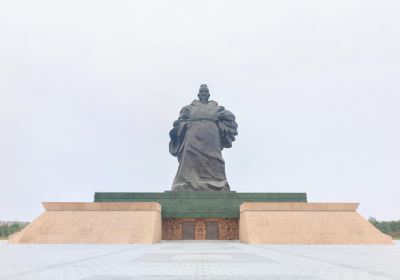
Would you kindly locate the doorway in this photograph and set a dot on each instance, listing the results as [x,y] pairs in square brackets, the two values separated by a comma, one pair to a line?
[212,231]
[188,230]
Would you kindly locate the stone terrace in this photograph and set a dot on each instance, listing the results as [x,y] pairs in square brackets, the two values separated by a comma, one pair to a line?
[172,260]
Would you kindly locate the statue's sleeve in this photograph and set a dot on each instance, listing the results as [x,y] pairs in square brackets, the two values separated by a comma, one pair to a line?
[227,127]
[178,132]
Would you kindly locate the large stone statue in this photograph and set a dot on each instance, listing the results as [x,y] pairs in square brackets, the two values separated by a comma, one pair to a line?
[202,130]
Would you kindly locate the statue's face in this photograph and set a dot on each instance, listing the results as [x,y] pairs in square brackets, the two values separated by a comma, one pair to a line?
[203,95]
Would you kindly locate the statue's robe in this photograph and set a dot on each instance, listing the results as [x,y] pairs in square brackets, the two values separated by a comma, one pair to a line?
[197,139]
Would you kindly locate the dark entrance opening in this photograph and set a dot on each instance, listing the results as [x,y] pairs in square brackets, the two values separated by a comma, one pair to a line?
[187,230]
[212,231]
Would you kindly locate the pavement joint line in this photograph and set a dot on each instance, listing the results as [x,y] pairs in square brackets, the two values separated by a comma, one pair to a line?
[352,267]
[71,262]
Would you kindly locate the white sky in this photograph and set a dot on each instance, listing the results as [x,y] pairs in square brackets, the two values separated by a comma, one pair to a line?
[89,91]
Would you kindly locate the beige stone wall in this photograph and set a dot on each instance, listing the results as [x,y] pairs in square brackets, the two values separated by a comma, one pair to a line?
[94,223]
[102,206]
[306,223]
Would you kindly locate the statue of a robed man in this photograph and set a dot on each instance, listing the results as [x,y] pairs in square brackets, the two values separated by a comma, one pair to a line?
[202,130]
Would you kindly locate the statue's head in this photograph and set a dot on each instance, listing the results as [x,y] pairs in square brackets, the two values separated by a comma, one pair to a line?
[204,93]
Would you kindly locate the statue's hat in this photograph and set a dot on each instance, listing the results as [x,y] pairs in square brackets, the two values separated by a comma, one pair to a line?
[203,87]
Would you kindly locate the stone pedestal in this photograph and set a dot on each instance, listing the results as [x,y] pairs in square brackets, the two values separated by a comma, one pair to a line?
[113,222]
[268,218]
[306,223]
[200,215]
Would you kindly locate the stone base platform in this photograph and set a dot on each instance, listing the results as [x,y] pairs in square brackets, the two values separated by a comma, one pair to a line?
[306,223]
[109,222]
[264,218]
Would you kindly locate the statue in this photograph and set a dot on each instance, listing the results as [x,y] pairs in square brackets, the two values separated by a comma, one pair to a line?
[202,130]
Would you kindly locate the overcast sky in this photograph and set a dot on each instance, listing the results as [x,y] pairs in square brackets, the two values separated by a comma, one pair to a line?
[89,91]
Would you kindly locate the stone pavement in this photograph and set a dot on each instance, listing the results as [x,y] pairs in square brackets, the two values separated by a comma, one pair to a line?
[211,260]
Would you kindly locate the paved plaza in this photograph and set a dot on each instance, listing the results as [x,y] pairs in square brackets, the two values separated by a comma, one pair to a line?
[199,260]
